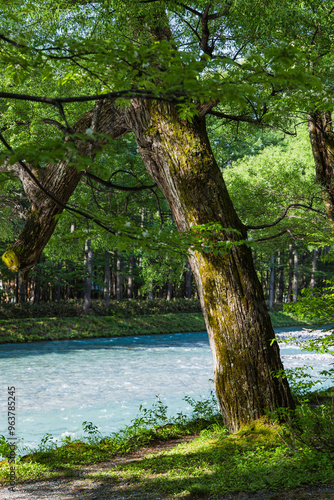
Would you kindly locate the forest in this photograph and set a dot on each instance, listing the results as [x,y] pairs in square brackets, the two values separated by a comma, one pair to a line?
[81,263]
[180,151]
[222,107]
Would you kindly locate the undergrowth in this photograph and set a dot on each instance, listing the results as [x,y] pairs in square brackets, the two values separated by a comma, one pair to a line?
[263,455]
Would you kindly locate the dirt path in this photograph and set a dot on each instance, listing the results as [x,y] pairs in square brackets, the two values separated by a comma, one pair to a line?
[83,487]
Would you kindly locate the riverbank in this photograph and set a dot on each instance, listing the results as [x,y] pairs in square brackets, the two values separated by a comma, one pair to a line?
[194,458]
[67,328]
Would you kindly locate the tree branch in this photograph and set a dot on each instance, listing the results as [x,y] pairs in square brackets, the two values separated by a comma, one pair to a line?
[292,205]
[109,184]
[52,196]
[243,118]
[272,237]
[125,94]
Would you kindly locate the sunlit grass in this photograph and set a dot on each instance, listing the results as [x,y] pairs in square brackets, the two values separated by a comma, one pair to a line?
[264,455]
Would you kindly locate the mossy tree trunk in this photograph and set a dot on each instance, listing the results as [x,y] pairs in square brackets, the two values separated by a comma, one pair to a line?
[60,180]
[179,158]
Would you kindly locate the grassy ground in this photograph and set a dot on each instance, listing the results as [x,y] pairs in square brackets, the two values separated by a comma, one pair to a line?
[36,329]
[29,330]
[264,456]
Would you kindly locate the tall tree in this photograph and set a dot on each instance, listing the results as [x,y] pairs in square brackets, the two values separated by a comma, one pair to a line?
[166,113]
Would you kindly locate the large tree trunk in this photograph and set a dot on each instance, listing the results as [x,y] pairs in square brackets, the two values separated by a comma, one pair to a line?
[178,156]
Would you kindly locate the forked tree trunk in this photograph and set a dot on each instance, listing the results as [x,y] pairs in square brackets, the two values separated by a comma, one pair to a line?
[179,158]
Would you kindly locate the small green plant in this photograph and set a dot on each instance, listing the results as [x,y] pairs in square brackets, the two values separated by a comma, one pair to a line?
[205,408]
[47,443]
[151,417]
[5,449]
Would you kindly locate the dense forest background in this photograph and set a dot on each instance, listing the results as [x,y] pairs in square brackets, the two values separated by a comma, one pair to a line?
[271,180]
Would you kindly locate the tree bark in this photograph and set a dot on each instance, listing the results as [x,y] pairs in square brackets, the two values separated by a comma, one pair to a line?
[61,180]
[179,158]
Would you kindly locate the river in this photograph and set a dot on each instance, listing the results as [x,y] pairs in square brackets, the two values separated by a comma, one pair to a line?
[61,384]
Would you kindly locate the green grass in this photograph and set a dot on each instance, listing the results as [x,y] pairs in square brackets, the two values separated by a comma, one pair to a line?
[37,329]
[263,456]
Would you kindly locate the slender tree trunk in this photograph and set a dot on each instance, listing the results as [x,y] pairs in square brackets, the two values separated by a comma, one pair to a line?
[120,277]
[58,288]
[290,276]
[106,289]
[69,291]
[272,280]
[314,267]
[169,288]
[130,277]
[188,281]
[280,279]
[114,276]
[37,288]
[88,279]
[21,289]
[150,292]
[295,275]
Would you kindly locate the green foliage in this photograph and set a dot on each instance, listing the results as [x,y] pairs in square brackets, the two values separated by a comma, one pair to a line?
[32,330]
[73,308]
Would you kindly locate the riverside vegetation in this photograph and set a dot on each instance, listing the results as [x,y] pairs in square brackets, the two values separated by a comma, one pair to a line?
[266,455]
[64,320]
